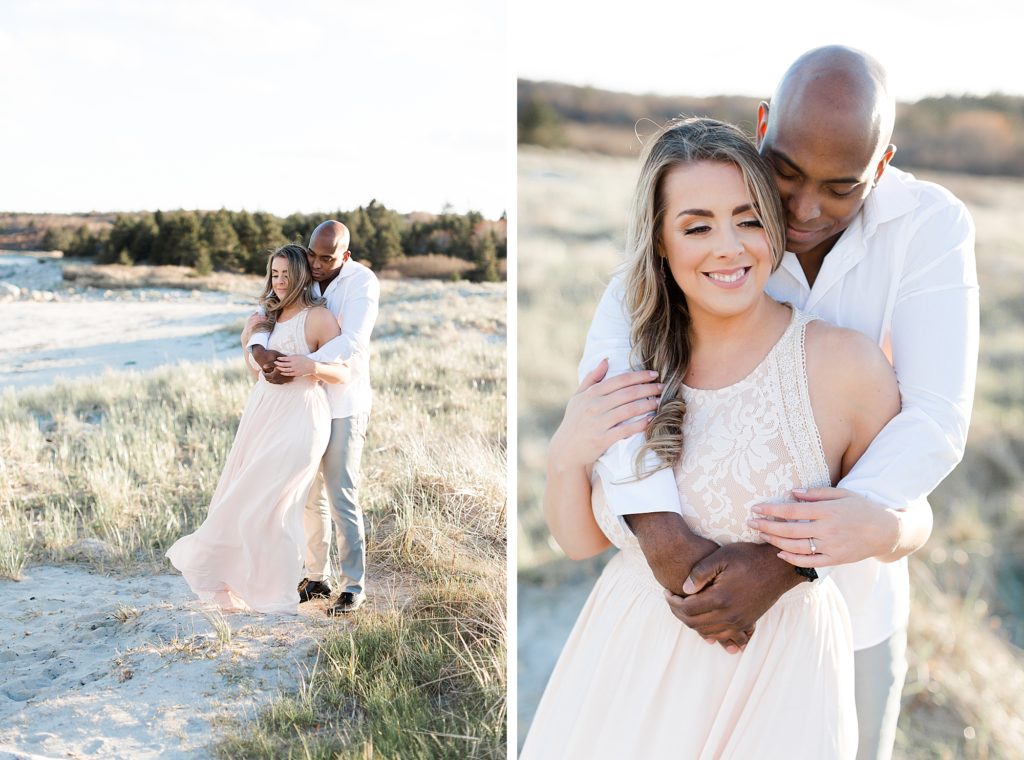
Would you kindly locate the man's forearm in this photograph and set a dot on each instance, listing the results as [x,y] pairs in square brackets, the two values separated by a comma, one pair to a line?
[670,547]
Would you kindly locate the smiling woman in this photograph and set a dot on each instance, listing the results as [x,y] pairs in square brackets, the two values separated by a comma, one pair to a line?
[758,399]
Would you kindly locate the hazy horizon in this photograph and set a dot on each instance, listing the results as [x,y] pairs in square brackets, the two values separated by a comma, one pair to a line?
[928,47]
[114,105]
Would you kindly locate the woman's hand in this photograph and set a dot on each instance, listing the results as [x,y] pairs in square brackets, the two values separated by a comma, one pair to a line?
[599,414]
[835,527]
[295,365]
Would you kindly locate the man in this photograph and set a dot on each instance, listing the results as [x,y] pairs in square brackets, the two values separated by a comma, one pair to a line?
[871,248]
[352,294]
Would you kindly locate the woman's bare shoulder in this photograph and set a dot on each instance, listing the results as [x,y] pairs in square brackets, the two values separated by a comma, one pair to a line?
[321,315]
[845,358]
[321,324]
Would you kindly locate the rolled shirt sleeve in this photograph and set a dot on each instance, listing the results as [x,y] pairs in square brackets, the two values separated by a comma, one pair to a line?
[609,338]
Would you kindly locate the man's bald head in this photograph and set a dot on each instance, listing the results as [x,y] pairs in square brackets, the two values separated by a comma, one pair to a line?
[826,134]
[328,250]
[837,87]
[330,236]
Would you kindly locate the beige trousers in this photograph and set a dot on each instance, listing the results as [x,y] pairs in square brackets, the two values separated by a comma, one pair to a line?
[879,672]
[334,497]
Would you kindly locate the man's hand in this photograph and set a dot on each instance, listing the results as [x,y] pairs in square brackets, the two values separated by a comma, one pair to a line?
[845,527]
[266,359]
[729,590]
[296,365]
[669,546]
[675,555]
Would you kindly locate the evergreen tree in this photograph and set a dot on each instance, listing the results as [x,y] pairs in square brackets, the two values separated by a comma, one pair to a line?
[387,246]
[141,248]
[224,250]
[84,243]
[486,258]
[57,239]
[118,242]
[179,240]
[271,235]
[361,230]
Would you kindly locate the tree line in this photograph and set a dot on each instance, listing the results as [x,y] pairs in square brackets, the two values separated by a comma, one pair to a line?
[969,134]
[239,241]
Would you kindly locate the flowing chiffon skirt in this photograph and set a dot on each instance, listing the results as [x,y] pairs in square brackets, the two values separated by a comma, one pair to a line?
[247,554]
[634,682]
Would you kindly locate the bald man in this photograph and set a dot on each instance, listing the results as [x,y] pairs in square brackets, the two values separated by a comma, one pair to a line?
[352,293]
[872,248]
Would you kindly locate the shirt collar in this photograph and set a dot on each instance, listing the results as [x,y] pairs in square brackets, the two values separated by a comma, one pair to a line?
[889,200]
[347,270]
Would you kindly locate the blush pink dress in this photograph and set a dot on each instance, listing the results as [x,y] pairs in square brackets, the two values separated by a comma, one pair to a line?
[634,682]
[247,554]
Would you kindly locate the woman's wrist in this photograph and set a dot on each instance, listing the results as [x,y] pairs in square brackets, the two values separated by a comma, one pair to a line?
[891,540]
[563,463]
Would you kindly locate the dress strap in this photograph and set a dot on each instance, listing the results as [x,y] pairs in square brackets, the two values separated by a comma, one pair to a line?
[800,427]
[300,329]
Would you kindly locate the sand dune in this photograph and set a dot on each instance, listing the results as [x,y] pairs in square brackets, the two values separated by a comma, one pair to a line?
[101,666]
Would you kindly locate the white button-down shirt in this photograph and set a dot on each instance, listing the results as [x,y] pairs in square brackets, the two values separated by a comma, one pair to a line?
[353,297]
[903,273]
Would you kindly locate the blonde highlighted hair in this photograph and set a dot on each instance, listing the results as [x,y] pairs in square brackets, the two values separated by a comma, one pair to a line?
[300,286]
[659,317]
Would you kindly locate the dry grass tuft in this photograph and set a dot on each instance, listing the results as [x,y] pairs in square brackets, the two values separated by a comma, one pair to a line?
[436,266]
[120,277]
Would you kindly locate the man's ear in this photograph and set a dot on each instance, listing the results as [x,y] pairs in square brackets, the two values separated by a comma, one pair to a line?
[762,122]
[884,162]
[346,256]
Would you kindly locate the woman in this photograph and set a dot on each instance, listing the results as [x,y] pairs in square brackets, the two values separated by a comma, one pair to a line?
[756,399]
[247,554]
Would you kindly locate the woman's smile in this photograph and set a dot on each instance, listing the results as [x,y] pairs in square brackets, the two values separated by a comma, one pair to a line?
[729,278]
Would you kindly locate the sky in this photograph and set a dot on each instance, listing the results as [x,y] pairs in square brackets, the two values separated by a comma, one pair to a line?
[283,107]
[741,47]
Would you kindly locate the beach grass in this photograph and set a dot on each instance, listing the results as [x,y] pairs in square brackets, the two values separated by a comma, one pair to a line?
[109,471]
[964,694]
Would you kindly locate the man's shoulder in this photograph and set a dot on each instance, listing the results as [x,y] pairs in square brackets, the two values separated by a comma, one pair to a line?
[361,276]
[929,197]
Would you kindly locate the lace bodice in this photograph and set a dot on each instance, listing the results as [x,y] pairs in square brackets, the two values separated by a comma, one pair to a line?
[748,443]
[290,337]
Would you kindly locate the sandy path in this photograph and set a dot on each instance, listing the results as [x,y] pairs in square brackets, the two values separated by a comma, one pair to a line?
[47,340]
[54,329]
[78,678]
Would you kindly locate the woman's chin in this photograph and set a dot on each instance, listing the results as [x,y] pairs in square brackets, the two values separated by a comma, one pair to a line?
[724,303]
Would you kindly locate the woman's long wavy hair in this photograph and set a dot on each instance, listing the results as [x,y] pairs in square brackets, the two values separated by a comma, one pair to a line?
[300,286]
[657,307]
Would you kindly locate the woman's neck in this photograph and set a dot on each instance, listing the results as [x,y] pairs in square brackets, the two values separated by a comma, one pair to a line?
[725,349]
[289,311]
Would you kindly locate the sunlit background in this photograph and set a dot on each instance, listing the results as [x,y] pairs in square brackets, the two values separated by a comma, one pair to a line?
[124,106]
[742,48]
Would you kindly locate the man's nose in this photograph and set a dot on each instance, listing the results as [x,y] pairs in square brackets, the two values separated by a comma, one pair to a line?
[803,206]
